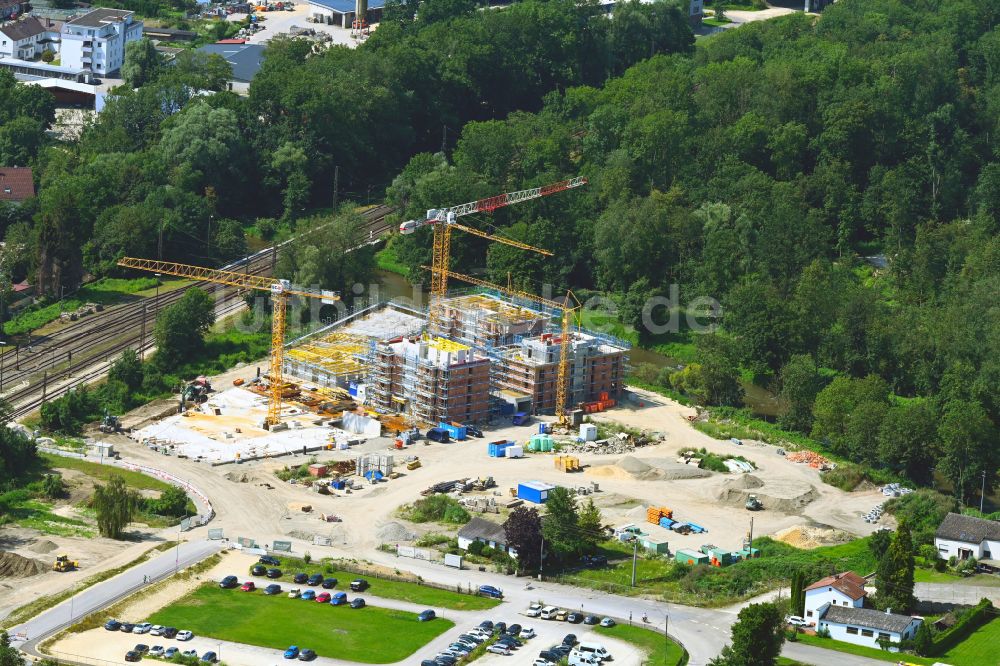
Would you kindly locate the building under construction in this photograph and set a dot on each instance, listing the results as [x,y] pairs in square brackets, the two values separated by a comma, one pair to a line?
[488,356]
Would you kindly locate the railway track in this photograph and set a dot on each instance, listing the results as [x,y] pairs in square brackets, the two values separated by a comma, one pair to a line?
[83,351]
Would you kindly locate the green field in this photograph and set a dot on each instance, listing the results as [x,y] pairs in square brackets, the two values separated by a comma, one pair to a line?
[103,472]
[979,649]
[368,635]
[658,651]
[874,653]
[390,589]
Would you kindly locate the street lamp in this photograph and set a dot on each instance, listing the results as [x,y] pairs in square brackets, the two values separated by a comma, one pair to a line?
[2,344]
[982,492]
[666,636]
[156,305]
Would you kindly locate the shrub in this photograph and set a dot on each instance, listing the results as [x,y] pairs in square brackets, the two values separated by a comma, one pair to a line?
[476,547]
[823,632]
[967,623]
[307,557]
[436,508]
[923,511]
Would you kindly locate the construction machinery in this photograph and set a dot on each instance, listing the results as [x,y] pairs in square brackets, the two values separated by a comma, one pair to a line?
[445,219]
[63,563]
[568,312]
[754,504]
[280,291]
[110,423]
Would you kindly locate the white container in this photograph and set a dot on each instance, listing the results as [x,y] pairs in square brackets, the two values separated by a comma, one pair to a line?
[588,432]
[514,451]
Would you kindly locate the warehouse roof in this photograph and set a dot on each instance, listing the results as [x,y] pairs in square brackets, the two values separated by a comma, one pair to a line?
[486,530]
[868,618]
[245,59]
[345,6]
[967,529]
[16,184]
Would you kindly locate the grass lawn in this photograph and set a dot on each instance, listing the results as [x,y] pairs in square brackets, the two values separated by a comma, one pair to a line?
[979,649]
[785,661]
[391,589]
[387,261]
[715,22]
[932,576]
[873,653]
[104,472]
[657,650]
[369,635]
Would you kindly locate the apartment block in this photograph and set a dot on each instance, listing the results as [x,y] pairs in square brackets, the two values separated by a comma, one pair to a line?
[96,40]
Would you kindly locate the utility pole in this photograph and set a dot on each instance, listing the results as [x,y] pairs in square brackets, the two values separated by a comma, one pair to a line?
[444,138]
[142,334]
[159,243]
[541,555]
[45,383]
[336,186]
[982,492]
[666,636]
[635,556]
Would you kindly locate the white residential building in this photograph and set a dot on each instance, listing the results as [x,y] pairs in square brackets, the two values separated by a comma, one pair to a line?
[843,589]
[27,39]
[964,537]
[867,626]
[96,40]
[490,533]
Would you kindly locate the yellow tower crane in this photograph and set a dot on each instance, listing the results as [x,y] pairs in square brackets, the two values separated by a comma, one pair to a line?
[562,377]
[280,290]
[443,220]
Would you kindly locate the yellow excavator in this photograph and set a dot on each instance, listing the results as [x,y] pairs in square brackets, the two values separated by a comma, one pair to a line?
[63,563]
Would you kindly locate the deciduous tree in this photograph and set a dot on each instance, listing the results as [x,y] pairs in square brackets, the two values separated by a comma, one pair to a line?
[116,504]
[523,529]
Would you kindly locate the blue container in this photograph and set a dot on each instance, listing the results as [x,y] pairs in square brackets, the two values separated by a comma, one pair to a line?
[338,485]
[373,475]
[534,491]
[457,432]
[697,529]
[497,449]
[666,522]
[543,428]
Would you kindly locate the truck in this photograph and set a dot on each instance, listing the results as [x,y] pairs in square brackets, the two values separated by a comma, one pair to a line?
[754,504]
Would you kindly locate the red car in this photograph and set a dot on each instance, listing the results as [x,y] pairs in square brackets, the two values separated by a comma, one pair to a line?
[323,598]
[248,586]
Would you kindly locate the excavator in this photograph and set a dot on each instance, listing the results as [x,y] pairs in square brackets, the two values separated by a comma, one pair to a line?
[63,563]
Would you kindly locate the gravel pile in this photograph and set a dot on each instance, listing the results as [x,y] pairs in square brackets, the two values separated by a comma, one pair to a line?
[13,565]
[394,532]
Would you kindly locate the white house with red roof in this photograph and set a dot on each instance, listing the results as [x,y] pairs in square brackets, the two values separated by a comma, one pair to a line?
[842,589]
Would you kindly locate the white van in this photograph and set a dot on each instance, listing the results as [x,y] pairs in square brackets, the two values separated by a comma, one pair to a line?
[549,613]
[595,649]
[577,658]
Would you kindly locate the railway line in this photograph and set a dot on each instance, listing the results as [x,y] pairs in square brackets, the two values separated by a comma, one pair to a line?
[83,351]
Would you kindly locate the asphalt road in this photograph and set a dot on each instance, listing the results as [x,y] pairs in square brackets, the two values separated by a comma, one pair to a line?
[103,594]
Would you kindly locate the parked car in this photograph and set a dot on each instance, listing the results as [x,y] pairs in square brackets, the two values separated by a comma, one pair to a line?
[170,652]
[274,573]
[156,651]
[248,586]
[426,616]
[357,602]
[338,599]
[528,632]
[307,655]
[323,598]
[607,622]
[359,585]
[132,655]
[308,595]
[487,625]
[300,578]
[315,579]
[499,649]
[113,625]
[796,621]
[542,662]
[329,583]
[569,639]
[294,593]
[141,648]
[514,629]
[473,430]
[258,570]
[184,635]
[292,652]
[490,591]
[273,588]
[561,615]
[142,628]
[509,641]
[268,559]
[549,656]
[156,630]
[127,627]
[534,610]
[190,653]
[445,659]
[209,657]
[500,628]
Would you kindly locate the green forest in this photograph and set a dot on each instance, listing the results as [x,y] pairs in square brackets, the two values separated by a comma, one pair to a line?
[831,182]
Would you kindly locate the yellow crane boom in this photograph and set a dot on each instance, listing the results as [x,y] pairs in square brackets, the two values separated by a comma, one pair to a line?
[280,290]
[562,377]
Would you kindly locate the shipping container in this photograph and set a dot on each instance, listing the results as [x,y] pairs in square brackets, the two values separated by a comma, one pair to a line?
[534,491]
[496,449]
[691,557]
[457,432]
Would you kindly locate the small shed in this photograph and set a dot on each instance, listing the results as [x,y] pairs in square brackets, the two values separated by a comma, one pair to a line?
[319,470]
[691,557]
[654,544]
[588,432]
[534,491]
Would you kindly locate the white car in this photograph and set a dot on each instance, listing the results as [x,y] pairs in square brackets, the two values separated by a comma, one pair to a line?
[607,622]
[480,634]
[157,630]
[156,651]
[527,632]
[184,635]
[534,610]
[499,649]
[796,621]
[142,628]
[542,662]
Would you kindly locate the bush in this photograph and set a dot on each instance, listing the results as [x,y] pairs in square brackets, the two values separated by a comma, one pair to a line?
[436,508]
[307,557]
[476,548]
[845,476]
[171,502]
[923,511]
[823,632]
[968,622]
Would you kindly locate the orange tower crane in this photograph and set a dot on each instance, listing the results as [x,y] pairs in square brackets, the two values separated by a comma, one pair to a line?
[280,290]
[443,220]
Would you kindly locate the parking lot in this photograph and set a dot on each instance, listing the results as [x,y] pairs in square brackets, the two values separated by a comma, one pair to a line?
[276,23]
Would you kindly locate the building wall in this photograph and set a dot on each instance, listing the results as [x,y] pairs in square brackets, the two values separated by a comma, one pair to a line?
[962,550]
[840,632]
[603,372]
[101,50]
[816,599]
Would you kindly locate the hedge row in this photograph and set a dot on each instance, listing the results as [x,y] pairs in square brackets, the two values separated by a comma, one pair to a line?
[979,615]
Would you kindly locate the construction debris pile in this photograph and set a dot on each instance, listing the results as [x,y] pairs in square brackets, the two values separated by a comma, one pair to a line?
[461,486]
[812,459]
[82,311]
[617,444]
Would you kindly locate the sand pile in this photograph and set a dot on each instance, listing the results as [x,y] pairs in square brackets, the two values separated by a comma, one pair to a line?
[13,565]
[785,496]
[391,532]
[803,536]
[43,547]
[630,468]
[241,477]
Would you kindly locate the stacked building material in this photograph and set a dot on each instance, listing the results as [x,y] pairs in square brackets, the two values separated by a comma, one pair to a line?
[655,513]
